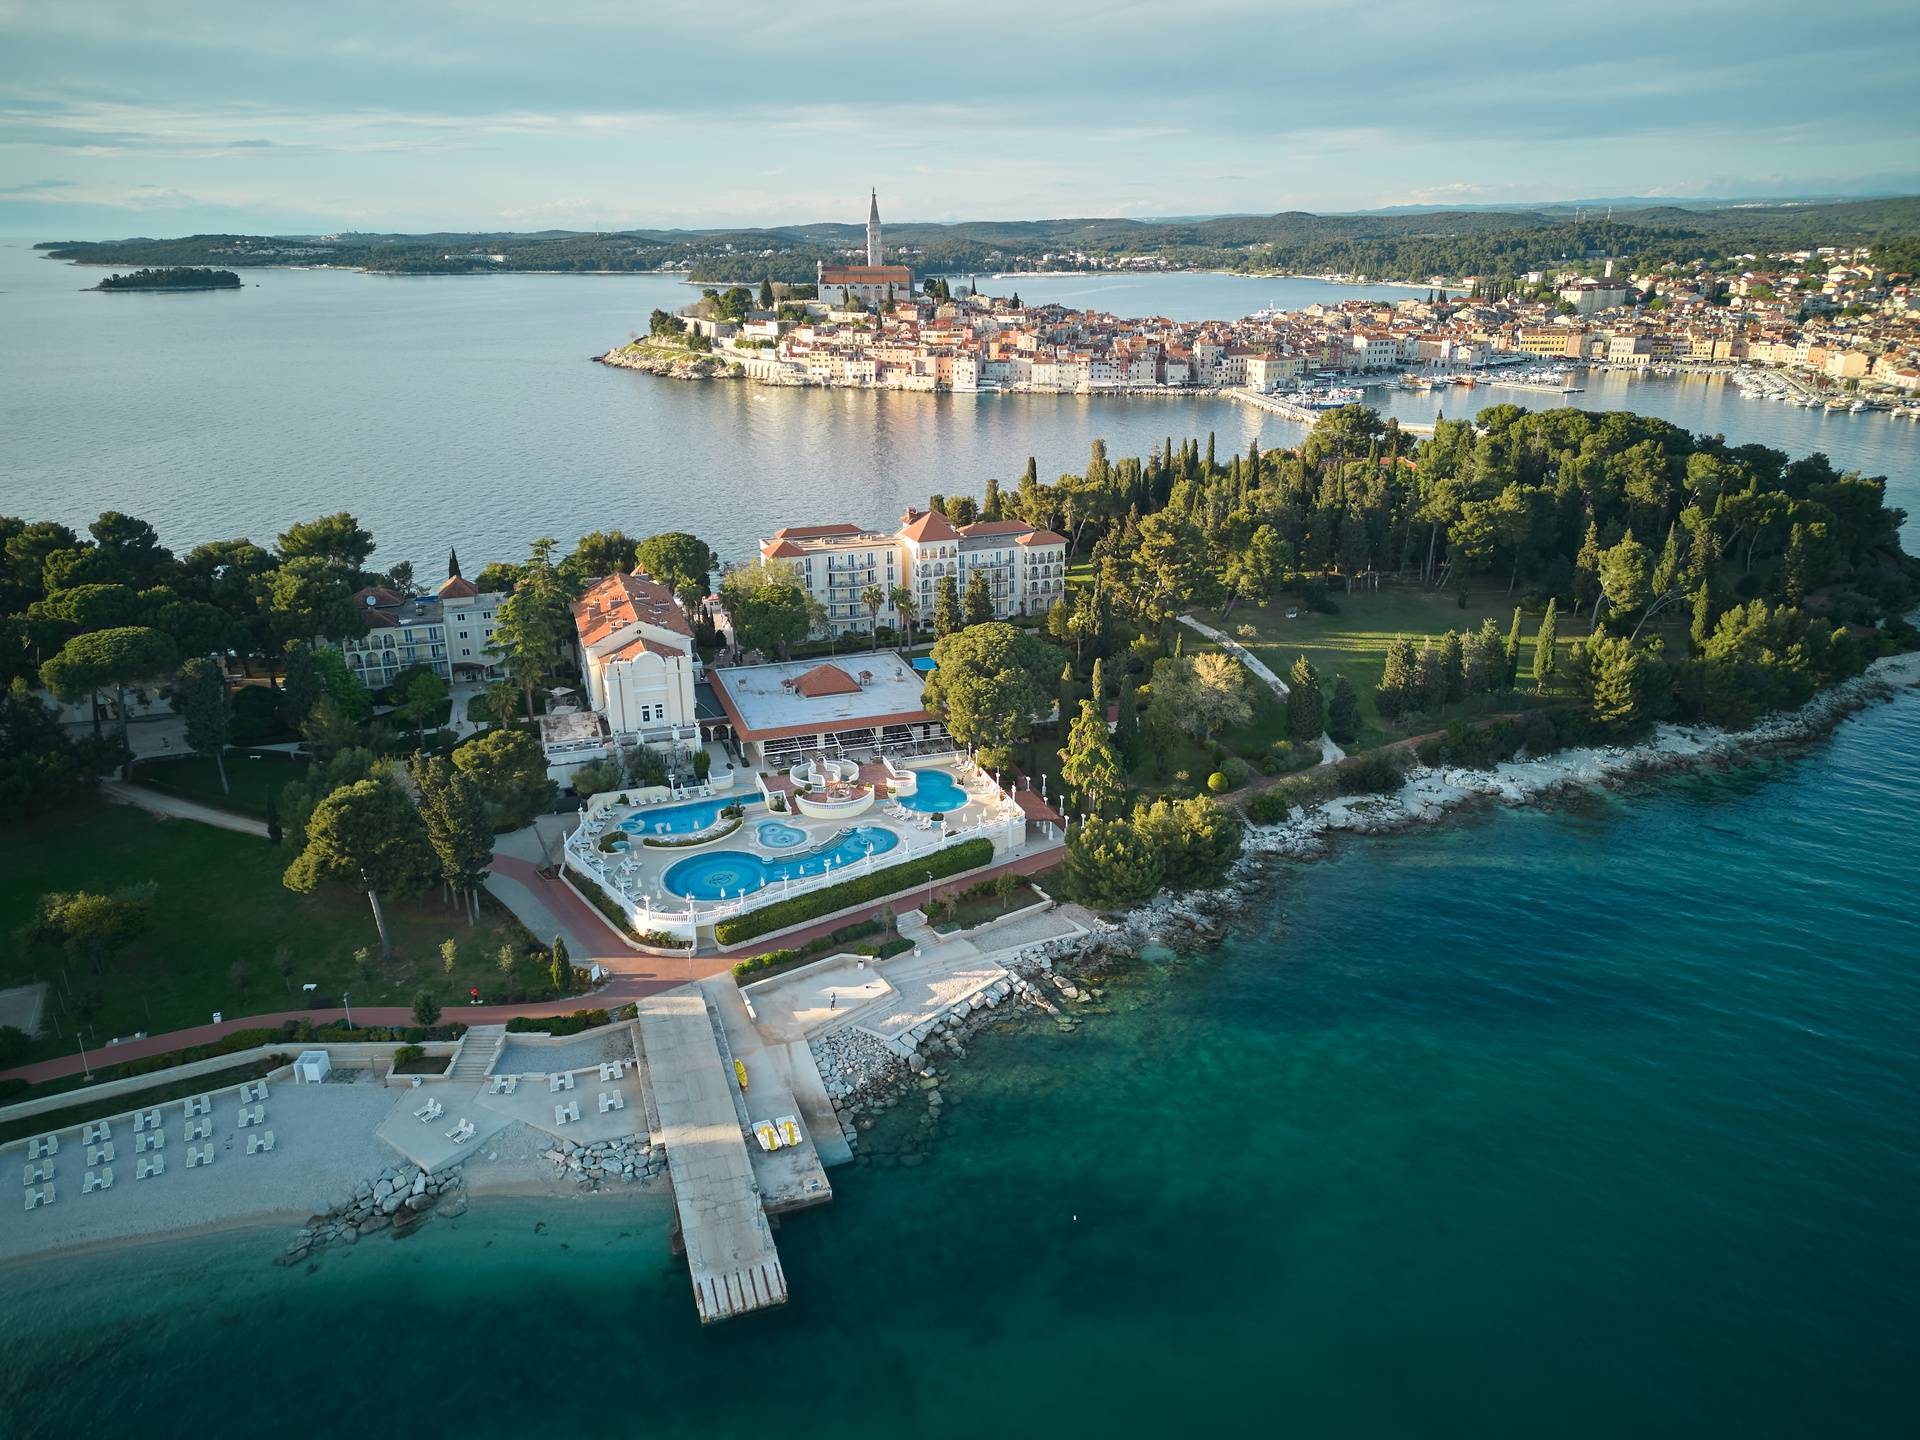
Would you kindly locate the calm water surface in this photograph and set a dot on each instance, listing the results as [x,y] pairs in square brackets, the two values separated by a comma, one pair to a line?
[462,411]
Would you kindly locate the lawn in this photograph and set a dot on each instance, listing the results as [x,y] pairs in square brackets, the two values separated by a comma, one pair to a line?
[971,909]
[219,918]
[1354,643]
[254,774]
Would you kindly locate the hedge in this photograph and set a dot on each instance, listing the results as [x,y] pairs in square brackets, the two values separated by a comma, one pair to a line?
[558,1024]
[967,855]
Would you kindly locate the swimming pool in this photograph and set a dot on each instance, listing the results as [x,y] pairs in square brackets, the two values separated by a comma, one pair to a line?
[937,791]
[925,664]
[687,819]
[726,873]
[778,834]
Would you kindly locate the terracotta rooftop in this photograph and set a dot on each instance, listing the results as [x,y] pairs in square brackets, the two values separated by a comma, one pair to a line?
[925,525]
[457,587]
[984,528]
[1041,537]
[826,680]
[617,601]
[815,532]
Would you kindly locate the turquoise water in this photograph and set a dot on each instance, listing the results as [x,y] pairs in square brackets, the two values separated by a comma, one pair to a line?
[937,792]
[1590,1122]
[778,833]
[925,664]
[726,873]
[687,819]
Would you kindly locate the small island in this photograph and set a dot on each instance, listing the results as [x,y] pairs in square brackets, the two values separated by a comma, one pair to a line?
[172,277]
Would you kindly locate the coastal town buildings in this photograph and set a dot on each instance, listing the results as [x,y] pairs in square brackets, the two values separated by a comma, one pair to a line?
[873,284]
[1025,568]
[450,632]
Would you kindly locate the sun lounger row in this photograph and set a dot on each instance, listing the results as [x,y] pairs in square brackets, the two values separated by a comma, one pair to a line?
[462,1132]
[203,1155]
[152,1140]
[504,1084]
[258,1144]
[566,1114]
[200,1129]
[253,1090]
[149,1165]
[557,1083]
[146,1120]
[94,1131]
[100,1154]
[612,1100]
[429,1112]
[42,1147]
[251,1116]
[97,1180]
[199,1105]
[42,1196]
[33,1174]
[613,1069]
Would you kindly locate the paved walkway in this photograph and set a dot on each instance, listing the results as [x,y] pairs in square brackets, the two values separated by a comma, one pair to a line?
[172,807]
[1330,753]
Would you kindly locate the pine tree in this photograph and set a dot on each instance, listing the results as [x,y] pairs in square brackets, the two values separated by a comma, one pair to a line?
[1586,569]
[1306,706]
[1794,567]
[946,608]
[1398,691]
[1343,711]
[1126,728]
[560,971]
[978,609]
[1543,643]
[1513,649]
[1069,692]
[1431,695]
[1090,765]
[1453,668]
[1619,683]
[1702,617]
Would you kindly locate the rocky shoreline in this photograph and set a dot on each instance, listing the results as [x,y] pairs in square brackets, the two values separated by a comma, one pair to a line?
[397,1199]
[685,366]
[865,1077]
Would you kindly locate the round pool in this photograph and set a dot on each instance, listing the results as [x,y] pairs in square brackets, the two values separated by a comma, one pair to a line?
[727,873]
[936,792]
[777,834]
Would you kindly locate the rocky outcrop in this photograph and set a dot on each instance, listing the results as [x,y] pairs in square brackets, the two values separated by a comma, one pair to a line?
[633,1159]
[674,364]
[398,1199]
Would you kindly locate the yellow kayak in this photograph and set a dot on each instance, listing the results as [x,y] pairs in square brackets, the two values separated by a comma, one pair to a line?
[789,1129]
[768,1137]
[740,1073]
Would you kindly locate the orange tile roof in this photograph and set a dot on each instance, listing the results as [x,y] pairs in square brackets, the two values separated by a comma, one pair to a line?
[617,601]
[989,528]
[815,532]
[1041,537]
[924,525]
[457,587]
[826,680]
[782,550]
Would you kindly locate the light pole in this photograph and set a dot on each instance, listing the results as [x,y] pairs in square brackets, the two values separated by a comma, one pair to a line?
[348,1008]
[929,892]
[86,1065]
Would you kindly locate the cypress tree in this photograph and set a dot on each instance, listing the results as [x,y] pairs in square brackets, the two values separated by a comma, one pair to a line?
[560,970]
[1399,680]
[1513,649]
[1097,687]
[1453,668]
[1702,616]
[1432,693]
[1343,711]
[1306,708]
[1543,643]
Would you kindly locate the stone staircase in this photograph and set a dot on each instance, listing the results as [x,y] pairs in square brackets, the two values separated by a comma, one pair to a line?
[477,1052]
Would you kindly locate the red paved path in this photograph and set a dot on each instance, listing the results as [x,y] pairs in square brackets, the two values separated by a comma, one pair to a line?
[635,975]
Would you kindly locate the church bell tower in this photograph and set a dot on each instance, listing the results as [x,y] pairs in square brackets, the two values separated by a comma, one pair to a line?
[873,231]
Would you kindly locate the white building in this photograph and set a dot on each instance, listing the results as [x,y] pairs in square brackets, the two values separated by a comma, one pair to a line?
[638,660]
[1025,567]
[450,632]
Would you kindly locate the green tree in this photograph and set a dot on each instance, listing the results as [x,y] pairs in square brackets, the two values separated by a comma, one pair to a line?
[1544,657]
[875,599]
[509,768]
[597,555]
[336,539]
[1198,695]
[683,563]
[426,692]
[904,606]
[449,955]
[426,1009]
[947,619]
[989,682]
[1110,865]
[1343,711]
[559,968]
[88,924]
[1453,662]
[200,694]
[534,624]
[978,606]
[1622,682]
[366,834]
[1513,650]
[115,660]
[1399,688]
[1198,841]
[305,598]
[1703,616]
[1626,575]
[1306,706]
[40,764]
[454,811]
[1090,765]
[771,607]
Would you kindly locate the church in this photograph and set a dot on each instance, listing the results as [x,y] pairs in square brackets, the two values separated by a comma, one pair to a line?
[872,284]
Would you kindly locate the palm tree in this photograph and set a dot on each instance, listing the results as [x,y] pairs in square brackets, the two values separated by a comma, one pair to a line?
[904,607]
[873,597]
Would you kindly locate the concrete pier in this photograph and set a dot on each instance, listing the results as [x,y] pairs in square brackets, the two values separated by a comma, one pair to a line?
[730,1249]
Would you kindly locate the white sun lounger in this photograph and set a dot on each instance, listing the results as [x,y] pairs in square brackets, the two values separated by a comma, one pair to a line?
[253,1090]
[557,1083]
[258,1144]
[100,1180]
[200,1129]
[152,1140]
[613,1100]
[44,1146]
[34,1174]
[199,1104]
[96,1131]
[149,1165]
[432,1110]
[42,1196]
[462,1132]
[566,1114]
[146,1120]
[251,1116]
[100,1154]
[203,1155]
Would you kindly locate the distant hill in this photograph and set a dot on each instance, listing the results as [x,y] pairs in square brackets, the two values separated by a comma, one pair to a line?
[1396,244]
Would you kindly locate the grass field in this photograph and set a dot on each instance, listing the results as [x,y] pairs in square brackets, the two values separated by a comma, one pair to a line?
[254,775]
[1354,643]
[219,917]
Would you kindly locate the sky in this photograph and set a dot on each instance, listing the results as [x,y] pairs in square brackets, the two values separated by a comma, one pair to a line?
[125,117]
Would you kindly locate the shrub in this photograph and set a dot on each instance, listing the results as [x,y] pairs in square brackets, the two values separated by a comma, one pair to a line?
[408,1055]
[761,964]
[1218,783]
[968,855]
[14,1044]
[426,1009]
[558,1024]
[1269,807]
[1373,774]
[1235,769]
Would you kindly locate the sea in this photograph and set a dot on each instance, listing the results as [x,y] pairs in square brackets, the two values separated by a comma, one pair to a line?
[1581,1120]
